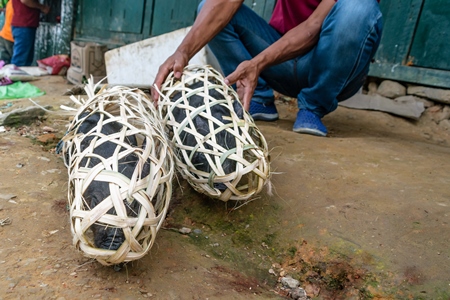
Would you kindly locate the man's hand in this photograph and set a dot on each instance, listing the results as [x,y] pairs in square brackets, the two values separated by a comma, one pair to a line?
[246,78]
[175,63]
[45,9]
[213,17]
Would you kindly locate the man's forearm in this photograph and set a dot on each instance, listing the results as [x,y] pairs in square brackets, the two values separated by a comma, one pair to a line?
[213,17]
[33,4]
[297,41]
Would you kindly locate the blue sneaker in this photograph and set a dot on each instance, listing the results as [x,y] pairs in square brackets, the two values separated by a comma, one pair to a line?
[264,112]
[309,123]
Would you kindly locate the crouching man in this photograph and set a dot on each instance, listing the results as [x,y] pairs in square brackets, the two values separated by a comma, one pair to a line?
[316,51]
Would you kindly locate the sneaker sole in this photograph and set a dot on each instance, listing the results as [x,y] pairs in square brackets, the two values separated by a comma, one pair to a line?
[265,117]
[311,131]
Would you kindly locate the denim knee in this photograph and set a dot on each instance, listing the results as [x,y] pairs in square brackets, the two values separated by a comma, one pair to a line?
[365,19]
[355,14]
[356,11]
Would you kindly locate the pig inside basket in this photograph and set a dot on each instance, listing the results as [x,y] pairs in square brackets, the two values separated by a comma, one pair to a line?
[223,138]
[107,236]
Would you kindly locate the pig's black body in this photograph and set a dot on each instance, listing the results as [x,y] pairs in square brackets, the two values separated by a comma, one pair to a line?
[223,138]
[107,237]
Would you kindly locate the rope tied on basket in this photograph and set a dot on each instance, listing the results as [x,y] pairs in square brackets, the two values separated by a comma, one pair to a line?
[218,147]
[120,171]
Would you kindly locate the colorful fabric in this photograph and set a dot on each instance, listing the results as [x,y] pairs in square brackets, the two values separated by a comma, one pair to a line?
[24,16]
[5,81]
[6,32]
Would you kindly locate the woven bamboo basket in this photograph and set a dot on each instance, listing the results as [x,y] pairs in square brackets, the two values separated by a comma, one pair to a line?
[147,188]
[218,148]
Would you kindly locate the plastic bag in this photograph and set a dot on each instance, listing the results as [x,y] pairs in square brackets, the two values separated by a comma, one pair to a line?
[19,90]
[56,64]
[15,73]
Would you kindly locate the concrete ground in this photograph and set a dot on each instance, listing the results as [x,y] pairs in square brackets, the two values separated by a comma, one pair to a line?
[361,214]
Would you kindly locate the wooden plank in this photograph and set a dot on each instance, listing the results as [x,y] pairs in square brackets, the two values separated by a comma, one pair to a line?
[95,25]
[137,64]
[95,14]
[263,8]
[400,18]
[409,109]
[127,16]
[169,15]
[422,76]
[431,46]
[249,3]
[148,19]
[268,9]
[258,7]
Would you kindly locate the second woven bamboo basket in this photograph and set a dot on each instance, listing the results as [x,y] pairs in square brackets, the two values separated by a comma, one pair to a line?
[218,147]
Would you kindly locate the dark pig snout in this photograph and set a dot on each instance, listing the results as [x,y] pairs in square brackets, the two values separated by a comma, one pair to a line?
[107,237]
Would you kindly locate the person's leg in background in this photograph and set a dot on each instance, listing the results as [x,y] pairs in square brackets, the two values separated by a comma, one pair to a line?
[23,51]
[6,50]
[339,63]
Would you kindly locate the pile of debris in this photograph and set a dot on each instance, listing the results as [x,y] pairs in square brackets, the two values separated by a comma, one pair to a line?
[409,101]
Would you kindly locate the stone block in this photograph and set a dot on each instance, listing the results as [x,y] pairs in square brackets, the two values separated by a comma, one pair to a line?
[408,108]
[411,98]
[372,88]
[438,113]
[439,95]
[445,124]
[391,89]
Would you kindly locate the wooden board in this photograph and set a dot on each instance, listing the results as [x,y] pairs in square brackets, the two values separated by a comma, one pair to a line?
[415,43]
[399,22]
[170,15]
[431,46]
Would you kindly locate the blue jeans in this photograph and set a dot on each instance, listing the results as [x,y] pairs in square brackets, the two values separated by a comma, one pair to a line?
[23,52]
[334,70]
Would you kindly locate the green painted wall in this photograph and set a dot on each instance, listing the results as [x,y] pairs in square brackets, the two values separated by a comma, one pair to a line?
[118,23]
[415,46]
[170,15]
[431,44]
[263,8]
[113,22]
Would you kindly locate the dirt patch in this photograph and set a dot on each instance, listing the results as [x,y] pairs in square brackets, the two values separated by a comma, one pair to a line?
[362,214]
[326,274]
